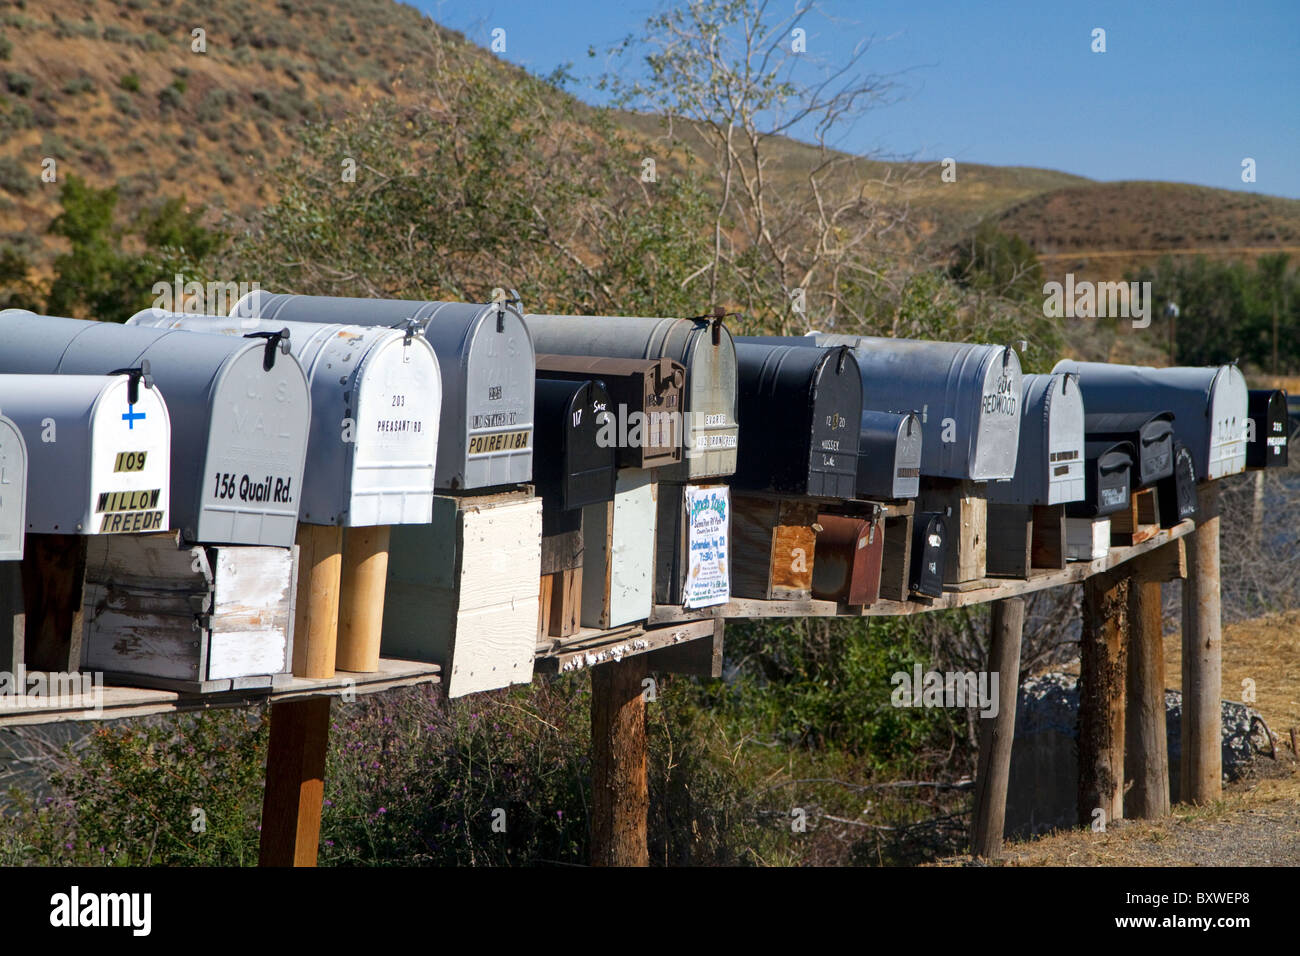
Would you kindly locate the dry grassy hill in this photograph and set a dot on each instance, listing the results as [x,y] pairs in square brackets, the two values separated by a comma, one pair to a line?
[113,91]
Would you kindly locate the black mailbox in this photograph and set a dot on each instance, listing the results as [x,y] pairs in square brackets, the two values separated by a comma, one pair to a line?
[573,465]
[1267,440]
[801,409]
[929,553]
[1151,435]
[645,402]
[1176,495]
[1107,469]
[889,455]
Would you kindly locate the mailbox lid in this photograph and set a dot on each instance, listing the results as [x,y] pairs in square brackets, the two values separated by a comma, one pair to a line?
[376,398]
[970,393]
[1210,405]
[645,397]
[97,463]
[1050,463]
[889,455]
[1108,470]
[576,466]
[485,357]
[804,399]
[1151,435]
[1176,497]
[1268,410]
[13,490]
[703,347]
[929,554]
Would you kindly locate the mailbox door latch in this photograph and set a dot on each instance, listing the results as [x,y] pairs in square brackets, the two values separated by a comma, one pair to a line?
[274,340]
[137,375]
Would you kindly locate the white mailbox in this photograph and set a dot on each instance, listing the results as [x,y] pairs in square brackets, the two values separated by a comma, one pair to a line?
[98,451]
[13,493]
[240,408]
[486,359]
[376,402]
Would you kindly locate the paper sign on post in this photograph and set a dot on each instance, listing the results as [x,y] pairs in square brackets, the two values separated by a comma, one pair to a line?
[708,520]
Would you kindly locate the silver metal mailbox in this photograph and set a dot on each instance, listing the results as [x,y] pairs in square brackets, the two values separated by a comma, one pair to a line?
[240,411]
[968,397]
[13,493]
[376,405]
[486,359]
[1050,465]
[1210,406]
[98,452]
[889,455]
[703,347]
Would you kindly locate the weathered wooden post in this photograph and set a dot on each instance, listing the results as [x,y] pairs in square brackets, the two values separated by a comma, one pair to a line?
[996,733]
[1146,752]
[295,782]
[1202,758]
[361,597]
[620,791]
[1102,653]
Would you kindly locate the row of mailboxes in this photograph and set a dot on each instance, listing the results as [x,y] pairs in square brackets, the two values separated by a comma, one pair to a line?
[804,408]
[1050,463]
[704,349]
[1210,406]
[486,360]
[1150,436]
[97,450]
[645,397]
[240,413]
[376,399]
[1267,441]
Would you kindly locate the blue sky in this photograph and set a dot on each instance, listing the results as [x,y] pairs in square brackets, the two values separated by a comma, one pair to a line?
[1184,92]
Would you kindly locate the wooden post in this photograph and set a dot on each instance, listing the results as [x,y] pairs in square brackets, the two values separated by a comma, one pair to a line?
[316,618]
[1146,750]
[54,571]
[12,619]
[620,794]
[295,782]
[361,598]
[1202,757]
[997,732]
[1102,677]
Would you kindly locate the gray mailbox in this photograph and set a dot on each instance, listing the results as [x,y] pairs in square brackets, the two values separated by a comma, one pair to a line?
[889,455]
[240,411]
[703,347]
[1210,406]
[98,452]
[486,359]
[1050,465]
[376,403]
[13,493]
[968,397]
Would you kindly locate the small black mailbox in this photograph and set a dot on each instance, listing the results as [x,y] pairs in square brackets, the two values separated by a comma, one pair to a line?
[1107,470]
[889,455]
[572,467]
[800,409]
[929,553]
[1176,495]
[1150,434]
[1267,442]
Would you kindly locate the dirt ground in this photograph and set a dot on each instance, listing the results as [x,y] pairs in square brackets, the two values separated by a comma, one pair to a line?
[1257,823]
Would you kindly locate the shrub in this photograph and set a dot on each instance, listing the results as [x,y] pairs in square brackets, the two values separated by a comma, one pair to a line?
[19,84]
[130,82]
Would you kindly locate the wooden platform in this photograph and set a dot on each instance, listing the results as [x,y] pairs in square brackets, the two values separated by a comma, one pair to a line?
[990,589]
[118,702]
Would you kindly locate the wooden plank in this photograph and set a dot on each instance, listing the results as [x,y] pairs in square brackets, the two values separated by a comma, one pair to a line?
[12,617]
[545,594]
[1146,753]
[320,555]
[773,541]
[252,612]
[1138,522]
[696,658]
[295,782]
[54,570]
[619,557]
[1010,540]
[361,597]
[1047,549]
[562,552]
[565,611]
[1102,677]
[1202,761]
[620,796]
[997,732]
